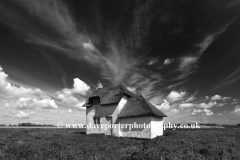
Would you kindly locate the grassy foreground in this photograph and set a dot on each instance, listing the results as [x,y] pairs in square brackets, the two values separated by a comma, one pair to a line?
[43,144]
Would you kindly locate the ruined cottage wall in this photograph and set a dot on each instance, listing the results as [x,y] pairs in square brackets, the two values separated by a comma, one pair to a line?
[136,132]
[156,126]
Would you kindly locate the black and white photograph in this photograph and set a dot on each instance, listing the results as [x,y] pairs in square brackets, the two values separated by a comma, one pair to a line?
[120,79]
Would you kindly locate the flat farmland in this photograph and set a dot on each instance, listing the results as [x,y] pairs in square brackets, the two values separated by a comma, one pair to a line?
[50,143]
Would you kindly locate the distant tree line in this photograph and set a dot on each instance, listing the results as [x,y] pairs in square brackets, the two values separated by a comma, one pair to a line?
[29,125]
[35,125]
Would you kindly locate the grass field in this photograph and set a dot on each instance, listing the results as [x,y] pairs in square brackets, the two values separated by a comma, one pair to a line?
[43,144]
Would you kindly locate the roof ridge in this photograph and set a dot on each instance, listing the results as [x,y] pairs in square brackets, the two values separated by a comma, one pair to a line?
[145,108]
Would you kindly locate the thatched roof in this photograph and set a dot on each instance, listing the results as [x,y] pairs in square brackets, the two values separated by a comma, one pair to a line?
[139,106]
[135,106]
[99,112]
[110,95]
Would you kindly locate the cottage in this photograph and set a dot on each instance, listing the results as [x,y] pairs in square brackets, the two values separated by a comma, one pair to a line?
[128,115]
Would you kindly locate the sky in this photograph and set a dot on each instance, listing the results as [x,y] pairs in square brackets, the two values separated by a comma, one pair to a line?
[183,56]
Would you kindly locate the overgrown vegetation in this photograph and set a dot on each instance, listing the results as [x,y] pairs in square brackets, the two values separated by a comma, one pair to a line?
[70,144]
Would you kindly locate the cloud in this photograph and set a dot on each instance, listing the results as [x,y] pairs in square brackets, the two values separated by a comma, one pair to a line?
[226,98]
[6,105]
[145,84]
[22,115]
[33,103]
[197,110]
[174,96]
[231,78]
[68,99]
[116,65]
[187,105]
[8,90]
[175,110]
[168,61]
[190,99]
[177,84]
[207,42]
[187,62]
[55,13]
[220,104]
[237,109]
[209,105]
[74,97]
[27,98]
[235,100]
[89,46]
[6,115]
[205,111]
[79,87]
[151,61]
[187,65]
[232,4]
[69,111]
[55,26]
[23,98]
[218,97]
[208,112]
[165,106]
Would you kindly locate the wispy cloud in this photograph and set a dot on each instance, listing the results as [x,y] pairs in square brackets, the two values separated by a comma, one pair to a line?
[233,3]
[188,63]
[192,98]
[218,97]
[151,61]
[60,30]
[168,61]
[230,79]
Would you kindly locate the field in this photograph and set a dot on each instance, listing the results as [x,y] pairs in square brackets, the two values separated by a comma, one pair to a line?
[70,144]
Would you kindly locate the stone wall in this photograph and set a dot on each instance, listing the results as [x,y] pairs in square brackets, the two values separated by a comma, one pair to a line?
[136,132]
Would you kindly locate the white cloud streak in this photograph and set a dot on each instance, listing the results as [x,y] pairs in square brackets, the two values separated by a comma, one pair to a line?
[188,64]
